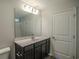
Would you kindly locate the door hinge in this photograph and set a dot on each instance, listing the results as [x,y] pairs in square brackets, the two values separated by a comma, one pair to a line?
[73,36]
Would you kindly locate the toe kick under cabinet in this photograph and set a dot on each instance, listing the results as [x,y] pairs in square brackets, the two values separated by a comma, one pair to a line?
[37,50]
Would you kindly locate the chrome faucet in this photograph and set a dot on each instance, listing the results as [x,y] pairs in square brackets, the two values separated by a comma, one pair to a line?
[32,36]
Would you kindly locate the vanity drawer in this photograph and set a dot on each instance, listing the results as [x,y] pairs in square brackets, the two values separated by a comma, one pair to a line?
[28,47]
[40,43]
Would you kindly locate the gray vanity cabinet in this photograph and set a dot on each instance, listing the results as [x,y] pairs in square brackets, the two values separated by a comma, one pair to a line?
[29,52]
[26,52]
[18,52]
[38,50]
[44,50]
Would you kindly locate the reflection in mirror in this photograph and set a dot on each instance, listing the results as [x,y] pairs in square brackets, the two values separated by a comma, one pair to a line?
[27,24]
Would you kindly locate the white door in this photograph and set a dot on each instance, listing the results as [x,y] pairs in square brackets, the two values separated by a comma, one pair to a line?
[64,35]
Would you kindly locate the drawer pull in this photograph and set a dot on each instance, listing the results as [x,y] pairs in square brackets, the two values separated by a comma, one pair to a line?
[17,54]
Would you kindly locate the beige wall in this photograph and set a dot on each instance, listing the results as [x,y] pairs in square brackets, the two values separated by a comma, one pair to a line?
[78,33]
[6,24]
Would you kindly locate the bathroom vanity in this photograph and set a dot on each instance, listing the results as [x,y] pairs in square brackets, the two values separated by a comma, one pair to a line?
[27,26]
[32,49]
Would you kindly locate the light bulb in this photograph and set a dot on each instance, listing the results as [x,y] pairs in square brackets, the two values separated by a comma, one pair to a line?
[35,11]
[27,8]
[30,9]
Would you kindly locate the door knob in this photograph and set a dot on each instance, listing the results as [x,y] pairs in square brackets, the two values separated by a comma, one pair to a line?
[53,37]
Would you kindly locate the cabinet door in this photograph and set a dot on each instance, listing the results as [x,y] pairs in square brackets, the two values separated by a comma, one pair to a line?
[38,52]
[44,50]
[18,52]
[29,54]
[48,46]
[19,56]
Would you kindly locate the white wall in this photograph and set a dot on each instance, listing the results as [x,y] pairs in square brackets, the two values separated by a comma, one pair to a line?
[47,27]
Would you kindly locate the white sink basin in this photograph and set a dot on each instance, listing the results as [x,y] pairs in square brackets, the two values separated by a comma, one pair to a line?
[36,37]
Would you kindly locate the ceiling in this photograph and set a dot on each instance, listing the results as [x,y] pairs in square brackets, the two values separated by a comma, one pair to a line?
[52,4]
[49,5]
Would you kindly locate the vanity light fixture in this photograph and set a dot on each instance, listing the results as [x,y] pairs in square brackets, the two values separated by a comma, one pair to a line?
[30,9]
[35,11]
[27,8]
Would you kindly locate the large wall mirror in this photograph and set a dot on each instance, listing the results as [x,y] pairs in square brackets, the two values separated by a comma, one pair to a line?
[26,23]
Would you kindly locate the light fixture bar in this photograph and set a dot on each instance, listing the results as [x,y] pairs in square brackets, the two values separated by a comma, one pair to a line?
[30,9]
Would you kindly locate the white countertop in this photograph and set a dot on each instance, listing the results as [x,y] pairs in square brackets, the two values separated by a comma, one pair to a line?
[25,41]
